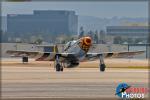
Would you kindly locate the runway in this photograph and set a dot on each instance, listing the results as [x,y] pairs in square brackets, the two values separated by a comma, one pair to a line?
[28,81]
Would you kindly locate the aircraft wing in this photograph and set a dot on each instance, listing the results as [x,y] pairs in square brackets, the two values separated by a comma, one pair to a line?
[50,56]
[94,56]
[21,53]
[40,56]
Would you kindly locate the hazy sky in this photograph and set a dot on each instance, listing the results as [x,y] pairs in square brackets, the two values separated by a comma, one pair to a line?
[97,9]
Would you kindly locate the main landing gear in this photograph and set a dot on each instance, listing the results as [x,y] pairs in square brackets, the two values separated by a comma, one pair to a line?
[58,65]
[102,65]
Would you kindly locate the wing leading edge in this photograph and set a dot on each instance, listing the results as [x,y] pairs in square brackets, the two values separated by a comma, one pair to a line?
[94,56]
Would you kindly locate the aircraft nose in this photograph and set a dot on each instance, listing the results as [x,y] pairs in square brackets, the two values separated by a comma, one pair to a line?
[87,40]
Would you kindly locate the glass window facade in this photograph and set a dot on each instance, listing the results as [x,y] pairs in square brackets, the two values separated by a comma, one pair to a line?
[43,21]
[128,30]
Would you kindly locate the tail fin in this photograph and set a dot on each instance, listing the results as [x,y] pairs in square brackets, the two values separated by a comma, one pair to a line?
[56,49]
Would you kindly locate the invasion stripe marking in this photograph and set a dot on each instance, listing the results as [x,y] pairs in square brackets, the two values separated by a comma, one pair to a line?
[45,55]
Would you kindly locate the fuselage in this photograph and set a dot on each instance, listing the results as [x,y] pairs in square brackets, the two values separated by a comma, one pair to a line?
[79,47]
[76,50]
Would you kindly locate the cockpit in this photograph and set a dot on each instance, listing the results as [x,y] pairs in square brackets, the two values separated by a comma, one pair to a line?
[69,44]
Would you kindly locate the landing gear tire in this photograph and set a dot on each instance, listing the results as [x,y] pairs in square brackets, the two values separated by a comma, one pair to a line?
[58,67]
[102,67]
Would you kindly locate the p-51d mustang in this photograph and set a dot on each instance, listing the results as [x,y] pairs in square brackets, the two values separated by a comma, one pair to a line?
[74,52]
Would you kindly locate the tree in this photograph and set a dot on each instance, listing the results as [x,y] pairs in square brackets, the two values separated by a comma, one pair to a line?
[39,41]
[130,40]
[102,36]
[118,40]
[96,36]
[81,33]
[138,40]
